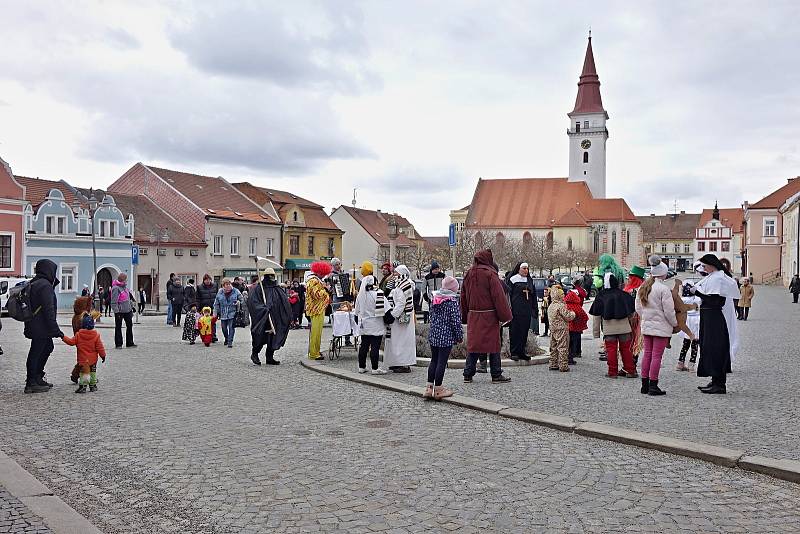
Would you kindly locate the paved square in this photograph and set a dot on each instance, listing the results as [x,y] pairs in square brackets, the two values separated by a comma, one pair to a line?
[195,439]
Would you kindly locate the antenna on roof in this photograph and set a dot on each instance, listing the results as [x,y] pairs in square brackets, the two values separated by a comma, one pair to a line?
[354,197]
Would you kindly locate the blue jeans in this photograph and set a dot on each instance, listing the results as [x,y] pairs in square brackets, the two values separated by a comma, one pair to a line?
[169,312]
[228,330]
[494,364]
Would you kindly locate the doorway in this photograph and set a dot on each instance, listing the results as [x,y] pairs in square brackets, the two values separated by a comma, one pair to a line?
[104,278]
[144,281]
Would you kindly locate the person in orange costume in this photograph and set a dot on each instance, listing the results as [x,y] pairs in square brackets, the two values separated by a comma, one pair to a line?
[90,347]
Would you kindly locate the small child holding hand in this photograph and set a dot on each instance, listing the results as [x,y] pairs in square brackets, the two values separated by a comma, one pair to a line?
[90,347]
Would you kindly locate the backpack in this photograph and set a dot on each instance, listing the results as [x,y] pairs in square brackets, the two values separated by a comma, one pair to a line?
[19,302]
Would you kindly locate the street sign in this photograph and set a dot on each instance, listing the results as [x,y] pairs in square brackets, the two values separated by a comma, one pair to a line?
[451,236]
[135,255]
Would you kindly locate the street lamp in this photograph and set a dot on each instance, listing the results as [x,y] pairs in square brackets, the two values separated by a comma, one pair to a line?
[394,232]
[76,208]
[158,235]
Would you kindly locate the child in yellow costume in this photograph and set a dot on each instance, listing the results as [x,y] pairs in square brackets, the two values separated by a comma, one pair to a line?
[205,325]
[317,299]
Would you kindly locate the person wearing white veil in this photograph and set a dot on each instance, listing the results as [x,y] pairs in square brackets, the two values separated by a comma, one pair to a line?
[400,348]
[719,339]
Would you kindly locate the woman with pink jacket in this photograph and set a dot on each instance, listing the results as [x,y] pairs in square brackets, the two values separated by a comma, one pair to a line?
[656,311]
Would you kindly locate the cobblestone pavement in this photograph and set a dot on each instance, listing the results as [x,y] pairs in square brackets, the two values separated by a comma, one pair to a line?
[759,414]
[195,439]
[16,518]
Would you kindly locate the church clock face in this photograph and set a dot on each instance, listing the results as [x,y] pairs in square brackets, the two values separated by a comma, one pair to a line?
[585,144]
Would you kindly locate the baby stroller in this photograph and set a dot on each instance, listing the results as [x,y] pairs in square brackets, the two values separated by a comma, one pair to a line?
[344,325]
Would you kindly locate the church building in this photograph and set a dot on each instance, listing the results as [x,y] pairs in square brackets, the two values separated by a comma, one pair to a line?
[571,212]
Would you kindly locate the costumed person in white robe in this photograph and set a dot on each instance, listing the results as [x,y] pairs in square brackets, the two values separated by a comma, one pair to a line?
[400,349]
[693,322]
[719,338]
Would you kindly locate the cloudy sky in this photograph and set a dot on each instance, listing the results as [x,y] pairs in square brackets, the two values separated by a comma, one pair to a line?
[409,102]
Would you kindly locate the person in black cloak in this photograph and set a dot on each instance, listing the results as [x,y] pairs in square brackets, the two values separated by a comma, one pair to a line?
[270,317]
[719,339]
[524,306]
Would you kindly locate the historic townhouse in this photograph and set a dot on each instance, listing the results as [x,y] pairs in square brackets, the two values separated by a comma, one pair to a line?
[12,223]
[234,227]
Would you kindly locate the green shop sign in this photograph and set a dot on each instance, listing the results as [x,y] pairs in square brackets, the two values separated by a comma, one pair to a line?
[299,265]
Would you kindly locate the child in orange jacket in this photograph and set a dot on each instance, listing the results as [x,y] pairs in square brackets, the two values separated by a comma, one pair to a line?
[90,346]
[574,303]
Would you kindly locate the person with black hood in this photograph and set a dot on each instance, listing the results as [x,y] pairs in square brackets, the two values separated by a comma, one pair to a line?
[433,283]
[43,327]
[615,307]
[271,317]
[524,307]
[794,288]
[719,339]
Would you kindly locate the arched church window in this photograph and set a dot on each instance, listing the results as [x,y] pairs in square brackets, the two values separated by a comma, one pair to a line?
[295,216]
[569,243]
[500,239]
[596,245]
[614,242]
[586,157]
[549,240]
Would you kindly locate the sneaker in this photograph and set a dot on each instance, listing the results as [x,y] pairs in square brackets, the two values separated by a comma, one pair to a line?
[428,394]
[81,389]
[36,389]
[468,380]
[379,371]
[362,370]
[92,388]
[442,392]
[500,379]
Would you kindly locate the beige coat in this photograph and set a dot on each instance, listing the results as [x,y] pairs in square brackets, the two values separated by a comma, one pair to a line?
[748,293]
[658,316]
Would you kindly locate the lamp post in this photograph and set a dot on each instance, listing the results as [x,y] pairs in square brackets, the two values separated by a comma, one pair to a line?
[76,207]
[394,231]
[158,235]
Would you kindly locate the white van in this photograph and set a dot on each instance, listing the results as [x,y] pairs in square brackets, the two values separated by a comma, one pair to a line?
[7,283]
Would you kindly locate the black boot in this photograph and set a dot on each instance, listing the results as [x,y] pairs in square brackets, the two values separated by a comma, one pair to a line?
[707,386]
[255,359]
[654,389]
[645,385]
[92,388]
[81,389]
[272,361]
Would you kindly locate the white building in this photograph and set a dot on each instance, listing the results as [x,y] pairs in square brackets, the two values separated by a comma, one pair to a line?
[721,233]
[790,250]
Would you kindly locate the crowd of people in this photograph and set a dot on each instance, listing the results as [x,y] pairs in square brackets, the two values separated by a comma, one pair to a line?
[633,315]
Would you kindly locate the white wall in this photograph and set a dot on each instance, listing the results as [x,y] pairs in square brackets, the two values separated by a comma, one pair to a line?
[357,244]
[595,170]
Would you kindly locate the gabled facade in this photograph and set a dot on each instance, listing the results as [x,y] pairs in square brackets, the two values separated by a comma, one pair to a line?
[763,225]
[58,227]
[720,232]
[366,236]
[235,228]
[309,234]
[12,223]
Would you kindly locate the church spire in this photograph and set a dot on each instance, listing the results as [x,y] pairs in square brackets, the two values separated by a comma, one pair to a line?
[589,99]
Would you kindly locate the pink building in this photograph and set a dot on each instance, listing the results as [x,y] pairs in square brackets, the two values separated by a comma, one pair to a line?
[764,234]
[12,222]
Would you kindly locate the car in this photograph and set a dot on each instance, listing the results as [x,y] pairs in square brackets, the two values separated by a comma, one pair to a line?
[539,284]
[7,283]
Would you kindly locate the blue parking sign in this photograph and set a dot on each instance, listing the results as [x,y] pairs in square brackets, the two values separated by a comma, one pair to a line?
[135,255]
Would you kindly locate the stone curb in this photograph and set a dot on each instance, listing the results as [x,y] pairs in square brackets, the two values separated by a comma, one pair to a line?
[783,469]
[459,364]
[55,513]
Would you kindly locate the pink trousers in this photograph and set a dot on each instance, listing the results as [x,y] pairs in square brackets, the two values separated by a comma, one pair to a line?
[653,351]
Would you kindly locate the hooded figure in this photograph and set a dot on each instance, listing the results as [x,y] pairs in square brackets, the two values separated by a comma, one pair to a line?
[524,307]
[719,339]
[559,316]
[400,350]
[270,317]
[43,327]
[484,308]
[613,309]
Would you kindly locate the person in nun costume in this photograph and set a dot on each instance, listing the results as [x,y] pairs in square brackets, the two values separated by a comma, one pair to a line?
[524,306]
[719,338]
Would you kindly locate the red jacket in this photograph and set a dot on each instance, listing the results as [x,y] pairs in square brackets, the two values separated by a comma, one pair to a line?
[89,344]
[581,320]
[581,292]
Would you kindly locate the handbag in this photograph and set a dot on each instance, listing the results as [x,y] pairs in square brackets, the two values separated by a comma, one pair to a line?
[242,318]
[404,318]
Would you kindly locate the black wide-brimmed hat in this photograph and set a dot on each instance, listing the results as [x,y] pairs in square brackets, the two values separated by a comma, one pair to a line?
[713,260]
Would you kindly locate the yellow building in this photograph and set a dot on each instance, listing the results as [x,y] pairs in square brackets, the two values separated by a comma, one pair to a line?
[308,234]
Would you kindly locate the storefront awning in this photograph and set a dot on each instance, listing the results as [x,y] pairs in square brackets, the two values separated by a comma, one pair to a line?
[299,264]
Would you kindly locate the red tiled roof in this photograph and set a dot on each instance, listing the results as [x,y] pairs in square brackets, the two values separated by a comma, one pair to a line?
[147,216]
[377,225]
[779,196]
[313,213]
[671,226]
[210,193]
[589,99]
[572,218]
[731,217]
[539,203]
[36,189]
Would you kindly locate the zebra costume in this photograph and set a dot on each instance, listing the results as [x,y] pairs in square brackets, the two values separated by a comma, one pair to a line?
[400,349]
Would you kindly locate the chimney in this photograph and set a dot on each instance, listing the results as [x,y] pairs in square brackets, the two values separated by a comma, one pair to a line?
[683,212]
[652,215]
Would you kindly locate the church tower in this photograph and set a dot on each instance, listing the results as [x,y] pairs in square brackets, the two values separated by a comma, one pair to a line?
[587,131]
